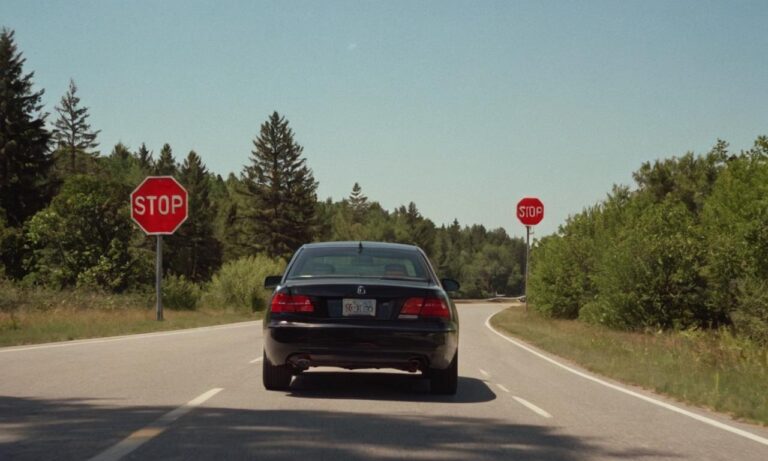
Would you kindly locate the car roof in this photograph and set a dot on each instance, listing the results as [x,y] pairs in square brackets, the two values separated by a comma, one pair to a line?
[366,244]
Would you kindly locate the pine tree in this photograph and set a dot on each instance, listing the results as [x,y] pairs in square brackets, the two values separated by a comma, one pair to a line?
[144,157]
[166,164]
[358,203]
[281,189]
[120,152]
[25,160]
[196,252]
[72,132]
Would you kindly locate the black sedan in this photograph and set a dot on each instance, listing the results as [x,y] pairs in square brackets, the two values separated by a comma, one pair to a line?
[361,305]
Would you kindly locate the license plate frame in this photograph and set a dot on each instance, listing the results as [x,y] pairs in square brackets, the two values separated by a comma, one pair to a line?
[358,307]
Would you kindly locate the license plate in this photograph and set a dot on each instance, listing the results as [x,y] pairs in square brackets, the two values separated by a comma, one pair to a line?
[358,307]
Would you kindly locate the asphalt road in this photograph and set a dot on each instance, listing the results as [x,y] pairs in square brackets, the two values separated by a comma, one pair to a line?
[197,394]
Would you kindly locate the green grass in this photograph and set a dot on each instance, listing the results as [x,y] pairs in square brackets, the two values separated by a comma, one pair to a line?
[705,368]
[36,315]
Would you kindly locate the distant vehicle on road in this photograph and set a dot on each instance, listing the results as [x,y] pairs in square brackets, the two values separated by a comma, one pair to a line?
[361,305]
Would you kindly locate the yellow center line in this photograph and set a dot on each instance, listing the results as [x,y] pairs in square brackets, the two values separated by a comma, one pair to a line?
[145,434]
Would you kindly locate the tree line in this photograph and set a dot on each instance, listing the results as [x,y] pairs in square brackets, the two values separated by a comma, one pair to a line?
[65,217]
[686,248]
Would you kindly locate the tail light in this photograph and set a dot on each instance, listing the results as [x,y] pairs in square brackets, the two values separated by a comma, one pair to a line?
[283,302]
[429,307]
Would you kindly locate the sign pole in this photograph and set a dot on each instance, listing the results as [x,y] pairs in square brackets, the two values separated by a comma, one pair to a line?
[527,261]
[159,276]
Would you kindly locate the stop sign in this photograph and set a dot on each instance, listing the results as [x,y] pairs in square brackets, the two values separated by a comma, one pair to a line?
[159,205]
[530,211]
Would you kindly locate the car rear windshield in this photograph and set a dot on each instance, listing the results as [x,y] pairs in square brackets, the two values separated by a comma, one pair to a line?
[387,263]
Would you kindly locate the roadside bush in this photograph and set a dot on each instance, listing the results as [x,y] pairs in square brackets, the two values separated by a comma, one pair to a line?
[180,293]
[651,277]
[750,317]
[82,238]
[239,284]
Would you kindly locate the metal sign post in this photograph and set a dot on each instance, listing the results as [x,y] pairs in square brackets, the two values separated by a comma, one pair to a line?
[527,263]
[159,277]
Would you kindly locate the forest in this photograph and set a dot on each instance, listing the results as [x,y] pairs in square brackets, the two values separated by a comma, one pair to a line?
[65,216]
[685,249]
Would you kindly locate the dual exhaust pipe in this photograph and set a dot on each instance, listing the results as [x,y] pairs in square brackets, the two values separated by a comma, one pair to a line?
[303,362]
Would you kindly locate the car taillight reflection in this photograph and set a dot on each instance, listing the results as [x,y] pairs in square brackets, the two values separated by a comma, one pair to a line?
[429,307]
[283,302]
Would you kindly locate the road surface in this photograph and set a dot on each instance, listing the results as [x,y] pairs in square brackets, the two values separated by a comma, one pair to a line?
[197,394]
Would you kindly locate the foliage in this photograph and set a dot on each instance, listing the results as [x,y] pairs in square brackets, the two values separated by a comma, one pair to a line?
[687,248]
[72,132]
[239,284]
[195,253]
[281,191]
[83,237]
[166,164]
[180,293]
[25,186]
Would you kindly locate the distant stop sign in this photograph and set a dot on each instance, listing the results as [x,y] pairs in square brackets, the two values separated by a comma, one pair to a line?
[530,211]
[159,205]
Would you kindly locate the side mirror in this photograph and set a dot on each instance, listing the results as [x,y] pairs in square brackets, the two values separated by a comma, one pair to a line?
[450,284]
[272,281]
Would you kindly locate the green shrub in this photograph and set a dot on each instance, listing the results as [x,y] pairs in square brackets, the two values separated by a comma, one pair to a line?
[180,293]
[239,284]
[750,317]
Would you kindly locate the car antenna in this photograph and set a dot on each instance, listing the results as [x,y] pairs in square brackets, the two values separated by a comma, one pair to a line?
[360,247]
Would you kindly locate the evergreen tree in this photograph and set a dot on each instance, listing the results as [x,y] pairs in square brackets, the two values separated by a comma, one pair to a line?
[166,164]
[196,252]
[120,152]
[72,132]
[144,157]
[282,191]
[358,202]
[25,160]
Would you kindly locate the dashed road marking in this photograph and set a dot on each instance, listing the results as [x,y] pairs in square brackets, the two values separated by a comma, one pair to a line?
[501,386]
[659,403]
[145,434]
[484,373]
[257,359]
[531,407]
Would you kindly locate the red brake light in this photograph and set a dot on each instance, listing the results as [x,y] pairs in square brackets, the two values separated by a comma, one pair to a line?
[283,302]
[431,307]
[435,307]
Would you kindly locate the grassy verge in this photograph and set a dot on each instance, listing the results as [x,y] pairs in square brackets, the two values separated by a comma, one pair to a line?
[30,316]
[711,369]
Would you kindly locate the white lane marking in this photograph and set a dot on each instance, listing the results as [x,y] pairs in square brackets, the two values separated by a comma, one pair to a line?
[531,407]
[700,418]
[110,339]
[484,373]
[145,434]
[257,359]
[501,386]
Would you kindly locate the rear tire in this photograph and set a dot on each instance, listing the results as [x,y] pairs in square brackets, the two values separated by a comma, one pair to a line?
[275,377]
[444,382]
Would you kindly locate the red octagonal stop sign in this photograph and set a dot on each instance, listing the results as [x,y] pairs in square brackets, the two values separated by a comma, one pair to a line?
[530,211]
[159,205]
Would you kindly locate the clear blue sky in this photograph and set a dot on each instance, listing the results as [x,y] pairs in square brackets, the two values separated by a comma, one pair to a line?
[461,107]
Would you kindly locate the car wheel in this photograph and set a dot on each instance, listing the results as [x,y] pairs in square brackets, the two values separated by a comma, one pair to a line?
[275,377]
[444,382]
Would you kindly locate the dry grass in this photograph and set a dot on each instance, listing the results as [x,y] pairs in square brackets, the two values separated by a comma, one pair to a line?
[38,315]
[712,369]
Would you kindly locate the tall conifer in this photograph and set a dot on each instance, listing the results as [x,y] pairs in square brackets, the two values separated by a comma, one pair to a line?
[166,164]
[25,160]
[72,132]
[197,253]
[281,191]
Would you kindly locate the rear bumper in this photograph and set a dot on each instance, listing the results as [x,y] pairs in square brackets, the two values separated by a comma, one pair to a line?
[361,346]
